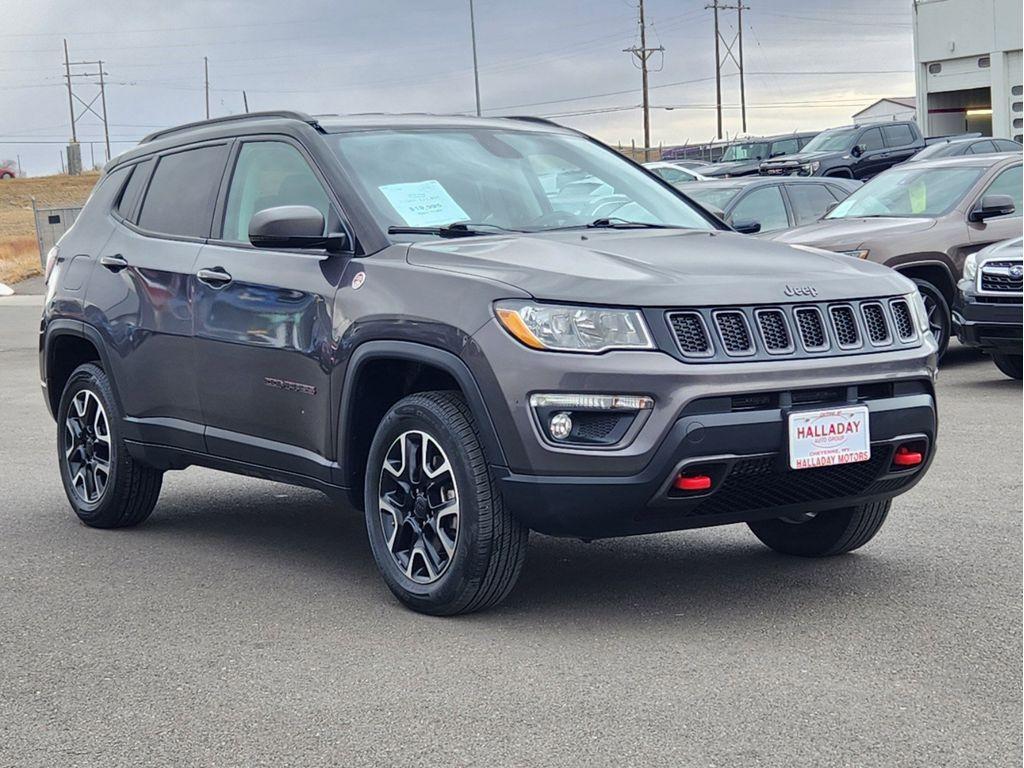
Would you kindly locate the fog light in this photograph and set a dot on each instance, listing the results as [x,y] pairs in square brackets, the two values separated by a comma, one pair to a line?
[560,426]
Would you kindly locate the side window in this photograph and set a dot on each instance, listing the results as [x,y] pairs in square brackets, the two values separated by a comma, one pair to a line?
[870,140]
[981,148]
[671,175]
[764,205]
[897,135]
[809,201]
[183,191]
[268,174]
[1005,145]
[1008,183]
[130,195]
[785,147]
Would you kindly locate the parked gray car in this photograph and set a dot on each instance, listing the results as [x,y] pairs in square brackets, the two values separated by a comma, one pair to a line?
[762,204]
[395,310]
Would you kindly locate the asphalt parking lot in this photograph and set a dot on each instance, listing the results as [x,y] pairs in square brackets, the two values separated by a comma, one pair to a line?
[245,624]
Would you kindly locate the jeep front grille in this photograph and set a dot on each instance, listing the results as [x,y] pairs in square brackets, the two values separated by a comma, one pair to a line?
[995,277]
[903,318]
[815,329]
[874,321]
[734,332]
[691,333]
[774,331]
[812,329]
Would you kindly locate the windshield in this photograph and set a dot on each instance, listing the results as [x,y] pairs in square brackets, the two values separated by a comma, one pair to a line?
[909,192]
[514,179]
[712,197]
[831,141]
[755,150]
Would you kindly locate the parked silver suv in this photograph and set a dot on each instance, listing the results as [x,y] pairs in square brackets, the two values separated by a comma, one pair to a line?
[413,314]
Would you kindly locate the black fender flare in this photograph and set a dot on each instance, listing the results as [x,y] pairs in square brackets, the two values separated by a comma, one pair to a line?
[420,353]
[930,260]
[81,329]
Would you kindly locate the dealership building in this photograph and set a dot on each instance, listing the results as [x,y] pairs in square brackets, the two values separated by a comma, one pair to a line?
[968,66]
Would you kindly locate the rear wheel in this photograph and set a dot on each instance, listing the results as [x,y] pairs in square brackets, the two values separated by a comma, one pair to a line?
[1011,365]
[440,534]
[107,488]
[824,533]
[939,320]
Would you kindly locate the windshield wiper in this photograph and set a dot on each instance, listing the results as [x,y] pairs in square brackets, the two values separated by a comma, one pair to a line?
[455,229]
[614,222]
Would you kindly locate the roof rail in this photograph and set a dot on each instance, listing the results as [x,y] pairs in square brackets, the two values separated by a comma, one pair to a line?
[284,113]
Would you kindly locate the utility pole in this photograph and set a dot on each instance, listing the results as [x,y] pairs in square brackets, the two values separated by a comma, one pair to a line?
[737,42]
[476,70]
[74,149]
[71,96]
[642,55]
[103,103]
[206,84]
[245,102]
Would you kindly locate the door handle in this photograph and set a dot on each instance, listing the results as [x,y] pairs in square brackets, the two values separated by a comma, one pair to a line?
[215,277]
[114,263]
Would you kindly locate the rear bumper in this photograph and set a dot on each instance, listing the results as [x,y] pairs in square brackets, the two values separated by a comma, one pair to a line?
[993,327]
[753,479]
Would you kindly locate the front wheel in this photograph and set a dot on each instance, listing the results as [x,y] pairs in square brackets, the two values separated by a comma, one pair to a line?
[440,534]
[823,533]
[940,322]
[1011,365]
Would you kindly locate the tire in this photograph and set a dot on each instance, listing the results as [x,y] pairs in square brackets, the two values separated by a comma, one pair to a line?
[939,318]
[6,175]
[826,533]
[128,493]
[1011,365]
[447,565]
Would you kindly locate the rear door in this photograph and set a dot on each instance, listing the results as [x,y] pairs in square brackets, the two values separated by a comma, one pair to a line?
[264,335]
[140,292]
[899,142]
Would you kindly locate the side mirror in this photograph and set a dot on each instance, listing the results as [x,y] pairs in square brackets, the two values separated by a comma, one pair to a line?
[293,226]
[858,150]
[747,226]
[992,206]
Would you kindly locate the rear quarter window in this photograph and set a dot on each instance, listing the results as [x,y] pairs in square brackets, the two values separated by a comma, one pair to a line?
[181,195]
[125,205]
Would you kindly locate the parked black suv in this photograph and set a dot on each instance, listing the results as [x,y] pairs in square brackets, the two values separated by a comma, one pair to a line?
[853,151]
[743,158]
[401,311]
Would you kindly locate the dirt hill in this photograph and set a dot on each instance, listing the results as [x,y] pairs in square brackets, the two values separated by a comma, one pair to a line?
[19,256]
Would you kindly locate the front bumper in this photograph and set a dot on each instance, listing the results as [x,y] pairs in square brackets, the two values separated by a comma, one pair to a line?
[993,327]
[701,412]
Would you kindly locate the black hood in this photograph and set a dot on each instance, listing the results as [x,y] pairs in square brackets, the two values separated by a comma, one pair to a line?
[735,168]
[803,157]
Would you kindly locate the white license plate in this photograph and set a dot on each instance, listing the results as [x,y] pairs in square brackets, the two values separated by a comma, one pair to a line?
[827,438]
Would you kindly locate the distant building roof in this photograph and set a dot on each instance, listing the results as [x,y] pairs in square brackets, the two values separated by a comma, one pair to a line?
[904,101]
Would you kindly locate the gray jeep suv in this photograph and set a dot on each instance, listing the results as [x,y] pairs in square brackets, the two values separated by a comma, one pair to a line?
[431,318]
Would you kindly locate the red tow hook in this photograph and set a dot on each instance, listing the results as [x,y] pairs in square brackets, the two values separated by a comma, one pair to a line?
[693,482]
[906,456]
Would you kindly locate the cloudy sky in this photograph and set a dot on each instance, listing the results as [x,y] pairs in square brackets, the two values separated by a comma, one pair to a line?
[809,64]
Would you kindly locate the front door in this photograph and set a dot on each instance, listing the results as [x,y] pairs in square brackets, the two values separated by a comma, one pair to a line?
[1006,182]
[264,340]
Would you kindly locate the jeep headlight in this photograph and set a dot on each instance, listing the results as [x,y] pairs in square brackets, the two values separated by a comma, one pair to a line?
[971,267]
[920,312]
[573,329]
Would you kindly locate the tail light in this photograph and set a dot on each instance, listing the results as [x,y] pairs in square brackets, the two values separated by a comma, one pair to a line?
[51,262]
